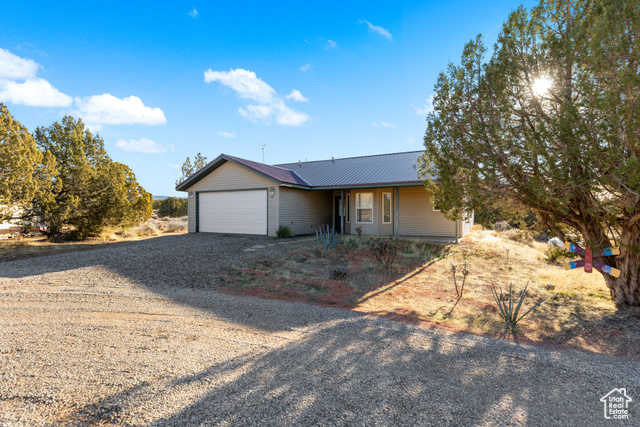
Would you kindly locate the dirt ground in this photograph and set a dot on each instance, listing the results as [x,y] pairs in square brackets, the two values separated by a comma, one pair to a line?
[419,289]
[136,334]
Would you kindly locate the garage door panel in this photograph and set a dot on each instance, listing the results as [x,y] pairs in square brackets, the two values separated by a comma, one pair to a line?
[242,212]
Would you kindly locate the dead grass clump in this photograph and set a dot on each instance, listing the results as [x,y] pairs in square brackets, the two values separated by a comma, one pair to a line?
[177,225]
[146,229]
[519,236]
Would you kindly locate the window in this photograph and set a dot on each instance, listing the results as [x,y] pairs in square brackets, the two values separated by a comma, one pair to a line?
[386,208]
[436,209]
[347,208]
[364,207]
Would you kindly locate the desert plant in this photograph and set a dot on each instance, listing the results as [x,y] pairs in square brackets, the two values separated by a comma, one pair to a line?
[176,226]
[146,229]
[284,232]
[501,226]
[339,273]
[384,251]
[509,310]
[465,273]
[327,236]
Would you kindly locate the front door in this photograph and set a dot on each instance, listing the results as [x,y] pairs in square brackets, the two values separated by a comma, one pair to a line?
[337,216]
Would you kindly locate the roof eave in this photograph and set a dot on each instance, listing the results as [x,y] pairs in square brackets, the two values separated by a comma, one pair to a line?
[215,164]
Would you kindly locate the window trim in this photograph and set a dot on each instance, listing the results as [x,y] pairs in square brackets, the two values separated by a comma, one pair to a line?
[390,208]
[359,208]
[435,210]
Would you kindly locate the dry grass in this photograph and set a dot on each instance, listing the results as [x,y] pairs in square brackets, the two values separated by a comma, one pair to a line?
[36,246]
[577,312]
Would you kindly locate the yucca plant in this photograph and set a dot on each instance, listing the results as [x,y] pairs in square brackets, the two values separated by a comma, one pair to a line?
[509,311]
[327,236]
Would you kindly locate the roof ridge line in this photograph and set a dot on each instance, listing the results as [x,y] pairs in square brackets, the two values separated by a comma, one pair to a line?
[347,158]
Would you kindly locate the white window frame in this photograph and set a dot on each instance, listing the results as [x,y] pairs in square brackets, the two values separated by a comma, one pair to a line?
[390,208]
[347,208]
[358,208]
[435,210]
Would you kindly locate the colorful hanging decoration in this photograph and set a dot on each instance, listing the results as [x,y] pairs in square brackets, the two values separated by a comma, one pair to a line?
[588,261]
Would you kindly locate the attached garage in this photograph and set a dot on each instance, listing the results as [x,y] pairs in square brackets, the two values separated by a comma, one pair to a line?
[236,212]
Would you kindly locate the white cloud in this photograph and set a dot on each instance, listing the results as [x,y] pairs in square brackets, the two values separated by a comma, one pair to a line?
[33,92]
[193,12]
[306,67]
[384,125]
[14,67]
[142,145]
[106,109]
[244,82]
[330,45]
[269,105]
[175,166]
[378,30]
[295,95]
[19,84]
[427,108]
[227,134]
[266,112]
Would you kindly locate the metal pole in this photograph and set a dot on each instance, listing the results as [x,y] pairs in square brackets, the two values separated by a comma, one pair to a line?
[397,213]
[342,213]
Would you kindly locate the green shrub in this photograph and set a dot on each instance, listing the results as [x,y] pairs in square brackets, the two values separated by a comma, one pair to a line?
[174,207]
[556,254]
[284,232]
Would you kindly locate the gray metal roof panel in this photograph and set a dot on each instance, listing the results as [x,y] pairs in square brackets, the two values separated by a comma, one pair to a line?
[375,169]
[395,168]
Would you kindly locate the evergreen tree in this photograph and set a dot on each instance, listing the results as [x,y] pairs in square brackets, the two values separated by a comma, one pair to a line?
[551,121]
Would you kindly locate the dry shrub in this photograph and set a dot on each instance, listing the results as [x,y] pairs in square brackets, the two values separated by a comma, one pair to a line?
[147,229]
[519,236]
[108,234]
[177,226]
[127,234]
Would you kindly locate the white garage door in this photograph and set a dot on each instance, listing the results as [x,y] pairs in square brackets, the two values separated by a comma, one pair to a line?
[242,212]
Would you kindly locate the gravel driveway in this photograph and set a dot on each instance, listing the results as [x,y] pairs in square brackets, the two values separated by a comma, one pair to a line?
[134,334]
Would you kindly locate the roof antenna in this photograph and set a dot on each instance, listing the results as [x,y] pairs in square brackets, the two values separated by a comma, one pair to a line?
[263,145]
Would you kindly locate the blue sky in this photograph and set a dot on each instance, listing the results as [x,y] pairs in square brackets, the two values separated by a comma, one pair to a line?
[163,80]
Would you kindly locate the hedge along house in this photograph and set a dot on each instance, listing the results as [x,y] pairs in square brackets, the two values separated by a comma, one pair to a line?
[380,194]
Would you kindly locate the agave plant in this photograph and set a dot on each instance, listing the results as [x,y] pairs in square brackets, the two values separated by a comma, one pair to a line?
[509,310]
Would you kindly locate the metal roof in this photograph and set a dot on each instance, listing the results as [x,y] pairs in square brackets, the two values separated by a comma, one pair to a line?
[358,171]
[396,168]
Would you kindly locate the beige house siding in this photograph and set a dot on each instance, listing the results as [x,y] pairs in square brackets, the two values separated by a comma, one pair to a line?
[466,224]
[230,176]
[369,229]
[417,217]
[303,210]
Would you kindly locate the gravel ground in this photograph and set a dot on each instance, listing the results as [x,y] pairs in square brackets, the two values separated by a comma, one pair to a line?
[134,334]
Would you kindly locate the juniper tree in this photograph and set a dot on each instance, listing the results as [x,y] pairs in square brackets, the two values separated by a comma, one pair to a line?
[25,172]
[91,191]
[552,121]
